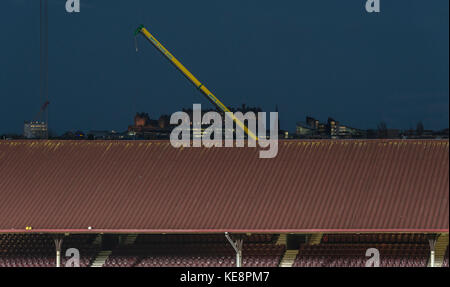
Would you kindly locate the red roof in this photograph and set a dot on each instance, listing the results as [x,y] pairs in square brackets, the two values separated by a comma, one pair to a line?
[149,186]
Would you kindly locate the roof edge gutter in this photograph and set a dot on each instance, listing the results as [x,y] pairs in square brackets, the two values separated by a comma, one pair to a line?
[217,231]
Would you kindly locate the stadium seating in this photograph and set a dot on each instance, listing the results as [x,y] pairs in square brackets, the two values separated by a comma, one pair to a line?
[445,262]
[349,250]
[259,250]
[353,255]
[38,250]
[190,255]
[83,242]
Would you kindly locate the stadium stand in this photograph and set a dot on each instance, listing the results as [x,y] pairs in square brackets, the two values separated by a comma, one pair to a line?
[195,251]
[349,250]
[364,189]
[38,250]
[202,250]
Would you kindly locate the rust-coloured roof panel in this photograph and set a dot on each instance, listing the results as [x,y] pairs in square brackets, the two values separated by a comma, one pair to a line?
[150,186]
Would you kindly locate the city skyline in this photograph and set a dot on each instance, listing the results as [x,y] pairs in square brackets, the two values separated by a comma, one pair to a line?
[243,108]
[361,69]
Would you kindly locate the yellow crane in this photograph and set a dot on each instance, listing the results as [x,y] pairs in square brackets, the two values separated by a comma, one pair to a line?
[210,96]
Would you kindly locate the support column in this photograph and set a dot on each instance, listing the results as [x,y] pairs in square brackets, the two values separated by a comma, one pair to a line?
[58,245]
[237,246]
[239,253]
[432,242]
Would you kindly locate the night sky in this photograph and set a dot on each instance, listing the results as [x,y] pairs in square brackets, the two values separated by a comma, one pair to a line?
[309,57]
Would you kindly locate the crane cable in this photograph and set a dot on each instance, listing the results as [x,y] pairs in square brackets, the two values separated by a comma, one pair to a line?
[136,44]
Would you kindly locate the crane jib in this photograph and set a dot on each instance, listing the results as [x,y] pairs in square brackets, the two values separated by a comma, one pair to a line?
[192,78]
[160,47]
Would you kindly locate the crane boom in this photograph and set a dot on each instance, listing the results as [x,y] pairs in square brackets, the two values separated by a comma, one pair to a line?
[209,95]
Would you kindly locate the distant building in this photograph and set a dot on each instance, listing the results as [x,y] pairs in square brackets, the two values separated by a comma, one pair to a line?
[146,128]
[313,129]
[333,127]
[312,122]
[304,130]
[346,132]
[35,130]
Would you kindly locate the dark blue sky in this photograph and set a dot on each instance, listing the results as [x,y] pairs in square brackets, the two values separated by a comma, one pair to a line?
[309,57]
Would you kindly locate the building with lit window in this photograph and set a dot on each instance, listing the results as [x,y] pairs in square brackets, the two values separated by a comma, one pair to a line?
[35,130]
[313,129]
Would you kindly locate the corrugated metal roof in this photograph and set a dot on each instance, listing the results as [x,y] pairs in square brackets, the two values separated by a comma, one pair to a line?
[148,186]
